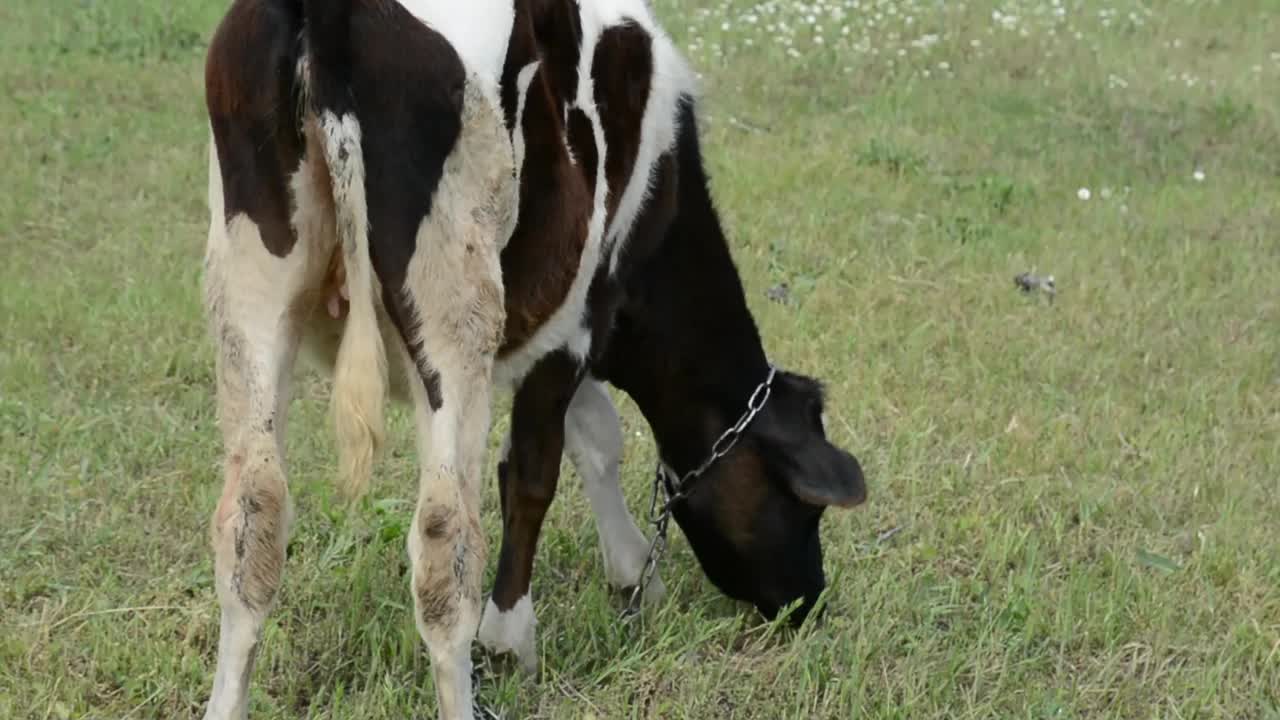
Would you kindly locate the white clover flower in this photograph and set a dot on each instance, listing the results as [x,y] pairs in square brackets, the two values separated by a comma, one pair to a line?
[1198,175]
[1083,193]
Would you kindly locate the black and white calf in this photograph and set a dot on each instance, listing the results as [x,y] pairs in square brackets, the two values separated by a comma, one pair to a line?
[427,196]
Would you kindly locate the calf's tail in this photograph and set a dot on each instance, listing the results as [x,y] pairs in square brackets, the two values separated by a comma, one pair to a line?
[360,372]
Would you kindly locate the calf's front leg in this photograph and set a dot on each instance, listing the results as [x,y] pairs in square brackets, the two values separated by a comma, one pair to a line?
[527,479]
[593,436]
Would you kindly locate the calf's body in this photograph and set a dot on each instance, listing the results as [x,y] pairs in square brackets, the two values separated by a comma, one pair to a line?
[426,198]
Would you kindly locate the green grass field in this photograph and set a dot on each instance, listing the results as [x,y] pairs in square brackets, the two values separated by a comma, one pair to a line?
[1074,506]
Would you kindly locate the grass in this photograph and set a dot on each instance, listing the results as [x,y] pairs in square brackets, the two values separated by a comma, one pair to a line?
[1073,506]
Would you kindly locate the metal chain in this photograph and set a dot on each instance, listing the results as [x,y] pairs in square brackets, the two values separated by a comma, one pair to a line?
[660,515]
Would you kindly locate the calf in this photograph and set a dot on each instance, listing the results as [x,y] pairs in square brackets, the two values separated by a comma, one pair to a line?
[366,134]
[618,271]
[425,196]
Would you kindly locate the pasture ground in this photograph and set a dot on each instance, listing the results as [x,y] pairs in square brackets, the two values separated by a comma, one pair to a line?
[1073,508]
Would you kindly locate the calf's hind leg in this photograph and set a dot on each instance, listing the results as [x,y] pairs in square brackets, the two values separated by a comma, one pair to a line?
[446,544]
[456,340]
[252,298]
[453,315]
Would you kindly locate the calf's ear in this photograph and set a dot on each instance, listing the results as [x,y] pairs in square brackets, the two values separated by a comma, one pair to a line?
[827,476]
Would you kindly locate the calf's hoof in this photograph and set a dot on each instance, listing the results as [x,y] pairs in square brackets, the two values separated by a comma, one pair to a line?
[511,631]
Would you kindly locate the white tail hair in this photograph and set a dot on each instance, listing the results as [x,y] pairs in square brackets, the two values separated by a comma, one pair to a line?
[360,373]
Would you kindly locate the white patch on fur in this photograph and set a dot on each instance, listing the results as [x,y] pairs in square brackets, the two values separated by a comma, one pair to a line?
[593,441]
[568,148]
[672,78]
[585,100]
[565,327]
[580,343]
[513,631]
[253,284]
[517,134]
[217,208]
[453,293]
[478,30]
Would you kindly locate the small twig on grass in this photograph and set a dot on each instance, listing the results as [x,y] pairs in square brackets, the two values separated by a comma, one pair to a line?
[113,611]
[743,125]
[920,282]
[143,704]
[888,534]
[576,694]
[53,702]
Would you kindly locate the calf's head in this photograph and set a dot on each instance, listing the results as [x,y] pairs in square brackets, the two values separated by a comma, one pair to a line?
[752,519]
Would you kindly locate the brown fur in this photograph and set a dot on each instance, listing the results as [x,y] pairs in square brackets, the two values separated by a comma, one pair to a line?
[532,470]
[621,70]
[739,496]
[256,529]
[437,522]
[555,201]
[450,570]
[436,585]
[253,121]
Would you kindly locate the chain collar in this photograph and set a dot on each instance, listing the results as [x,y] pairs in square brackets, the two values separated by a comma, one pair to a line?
[675,488]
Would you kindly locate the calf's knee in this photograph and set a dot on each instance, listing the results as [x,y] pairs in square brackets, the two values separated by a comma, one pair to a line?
[447,551]
[250,527]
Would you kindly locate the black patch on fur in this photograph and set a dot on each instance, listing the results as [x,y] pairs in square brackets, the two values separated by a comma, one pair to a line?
[540,261]
[685,317]
[685,347]
[559,34]
[430,376]
[548,31]
[621,71]
[437,521]
[251,96]
[671,327]
[531,471]
[404,82]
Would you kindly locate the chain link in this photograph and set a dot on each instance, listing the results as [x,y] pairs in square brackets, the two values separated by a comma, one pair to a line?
[660,513]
